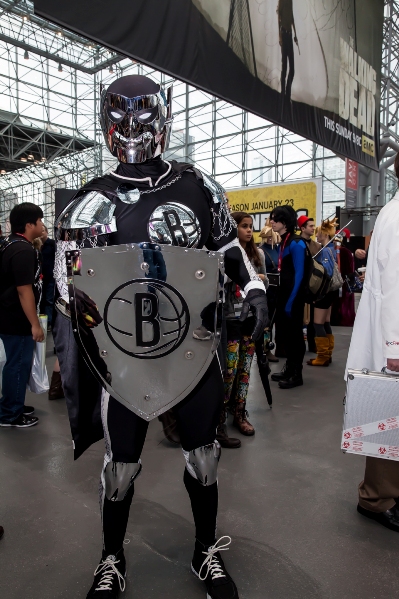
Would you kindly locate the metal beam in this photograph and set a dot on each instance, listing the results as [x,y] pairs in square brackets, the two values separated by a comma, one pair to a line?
[58,59]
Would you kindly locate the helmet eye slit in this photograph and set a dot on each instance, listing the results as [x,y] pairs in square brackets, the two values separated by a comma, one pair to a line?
[116,115]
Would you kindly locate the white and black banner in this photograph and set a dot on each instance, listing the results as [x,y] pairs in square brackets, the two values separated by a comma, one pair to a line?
[312,66]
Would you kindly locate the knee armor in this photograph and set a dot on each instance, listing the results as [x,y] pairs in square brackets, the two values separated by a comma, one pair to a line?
[202,463]
[118,477]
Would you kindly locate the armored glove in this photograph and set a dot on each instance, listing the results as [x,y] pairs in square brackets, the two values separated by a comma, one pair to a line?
[256,302]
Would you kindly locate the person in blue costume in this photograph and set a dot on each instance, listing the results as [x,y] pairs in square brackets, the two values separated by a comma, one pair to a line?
[292,266]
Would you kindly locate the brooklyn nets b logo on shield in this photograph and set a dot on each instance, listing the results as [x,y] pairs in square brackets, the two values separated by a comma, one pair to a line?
[146,318]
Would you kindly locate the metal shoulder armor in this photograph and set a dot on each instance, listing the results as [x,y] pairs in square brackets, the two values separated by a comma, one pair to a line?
[217,191]
[224,226]
[88,215]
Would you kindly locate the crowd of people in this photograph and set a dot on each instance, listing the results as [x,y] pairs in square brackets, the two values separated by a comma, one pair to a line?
[281,261]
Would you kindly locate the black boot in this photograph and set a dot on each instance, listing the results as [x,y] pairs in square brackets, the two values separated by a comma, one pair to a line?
[208,565]
[222,436]
[109,577]
[294,379]
[169,425]
[283,375]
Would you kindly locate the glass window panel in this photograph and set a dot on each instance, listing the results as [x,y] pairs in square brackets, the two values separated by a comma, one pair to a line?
[204,165]
[201,132]
[265,156]
[198,97]
[228,125]
[228,143]
[28,109]
[230,181]
[203,149]
[297,171]
[256,121]
[229,163]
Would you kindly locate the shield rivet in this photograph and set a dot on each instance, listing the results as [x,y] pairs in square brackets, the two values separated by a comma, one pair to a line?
[91,272]
[146,397]
[189,355]
[199,274]
[103,353]
[144,266]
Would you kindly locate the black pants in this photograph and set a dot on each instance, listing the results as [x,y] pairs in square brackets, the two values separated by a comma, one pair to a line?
[291,331]
[287,55]
[197,418]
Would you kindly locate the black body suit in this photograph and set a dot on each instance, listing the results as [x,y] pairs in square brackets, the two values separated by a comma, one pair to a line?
[198,414]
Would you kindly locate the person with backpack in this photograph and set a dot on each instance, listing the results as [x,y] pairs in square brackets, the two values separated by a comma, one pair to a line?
[292,266]
[20,290]
[307,228]
[324,337]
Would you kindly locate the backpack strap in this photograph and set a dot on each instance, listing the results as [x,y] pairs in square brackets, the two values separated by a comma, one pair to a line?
[6,242]
[270,258]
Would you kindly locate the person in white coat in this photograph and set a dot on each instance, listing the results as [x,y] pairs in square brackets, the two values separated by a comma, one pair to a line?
[375,344]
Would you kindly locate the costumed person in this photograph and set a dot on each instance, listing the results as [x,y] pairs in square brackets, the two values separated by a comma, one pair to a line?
[151,202]
[270,248]
[375,345]
[307,227]
[291,296]
[240,342]
[343,309]
[324,338]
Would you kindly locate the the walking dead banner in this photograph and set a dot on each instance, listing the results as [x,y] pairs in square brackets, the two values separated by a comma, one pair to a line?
[312,66]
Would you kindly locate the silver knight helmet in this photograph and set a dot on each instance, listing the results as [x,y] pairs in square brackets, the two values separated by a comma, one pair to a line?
[136,118]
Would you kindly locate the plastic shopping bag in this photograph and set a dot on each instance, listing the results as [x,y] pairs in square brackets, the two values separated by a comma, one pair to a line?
[2,361]
[38,381]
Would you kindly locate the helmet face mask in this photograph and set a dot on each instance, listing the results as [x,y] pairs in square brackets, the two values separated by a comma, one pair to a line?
[136,129]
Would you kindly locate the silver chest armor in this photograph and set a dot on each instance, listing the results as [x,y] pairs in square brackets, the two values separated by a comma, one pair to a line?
[92,214]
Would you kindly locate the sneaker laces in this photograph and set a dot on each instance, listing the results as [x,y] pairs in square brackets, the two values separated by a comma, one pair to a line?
[212,561]
[109,569]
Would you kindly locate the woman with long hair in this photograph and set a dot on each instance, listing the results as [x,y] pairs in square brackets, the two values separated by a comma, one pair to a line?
[240,346]
[324,337]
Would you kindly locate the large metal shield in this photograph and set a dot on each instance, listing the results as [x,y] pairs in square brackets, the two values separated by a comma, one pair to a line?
[136,313]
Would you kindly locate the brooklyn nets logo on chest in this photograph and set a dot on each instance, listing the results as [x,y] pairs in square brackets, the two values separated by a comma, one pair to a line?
[173,223]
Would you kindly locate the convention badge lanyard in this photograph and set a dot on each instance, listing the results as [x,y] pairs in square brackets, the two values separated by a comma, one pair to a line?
[21,235]
[280,256]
